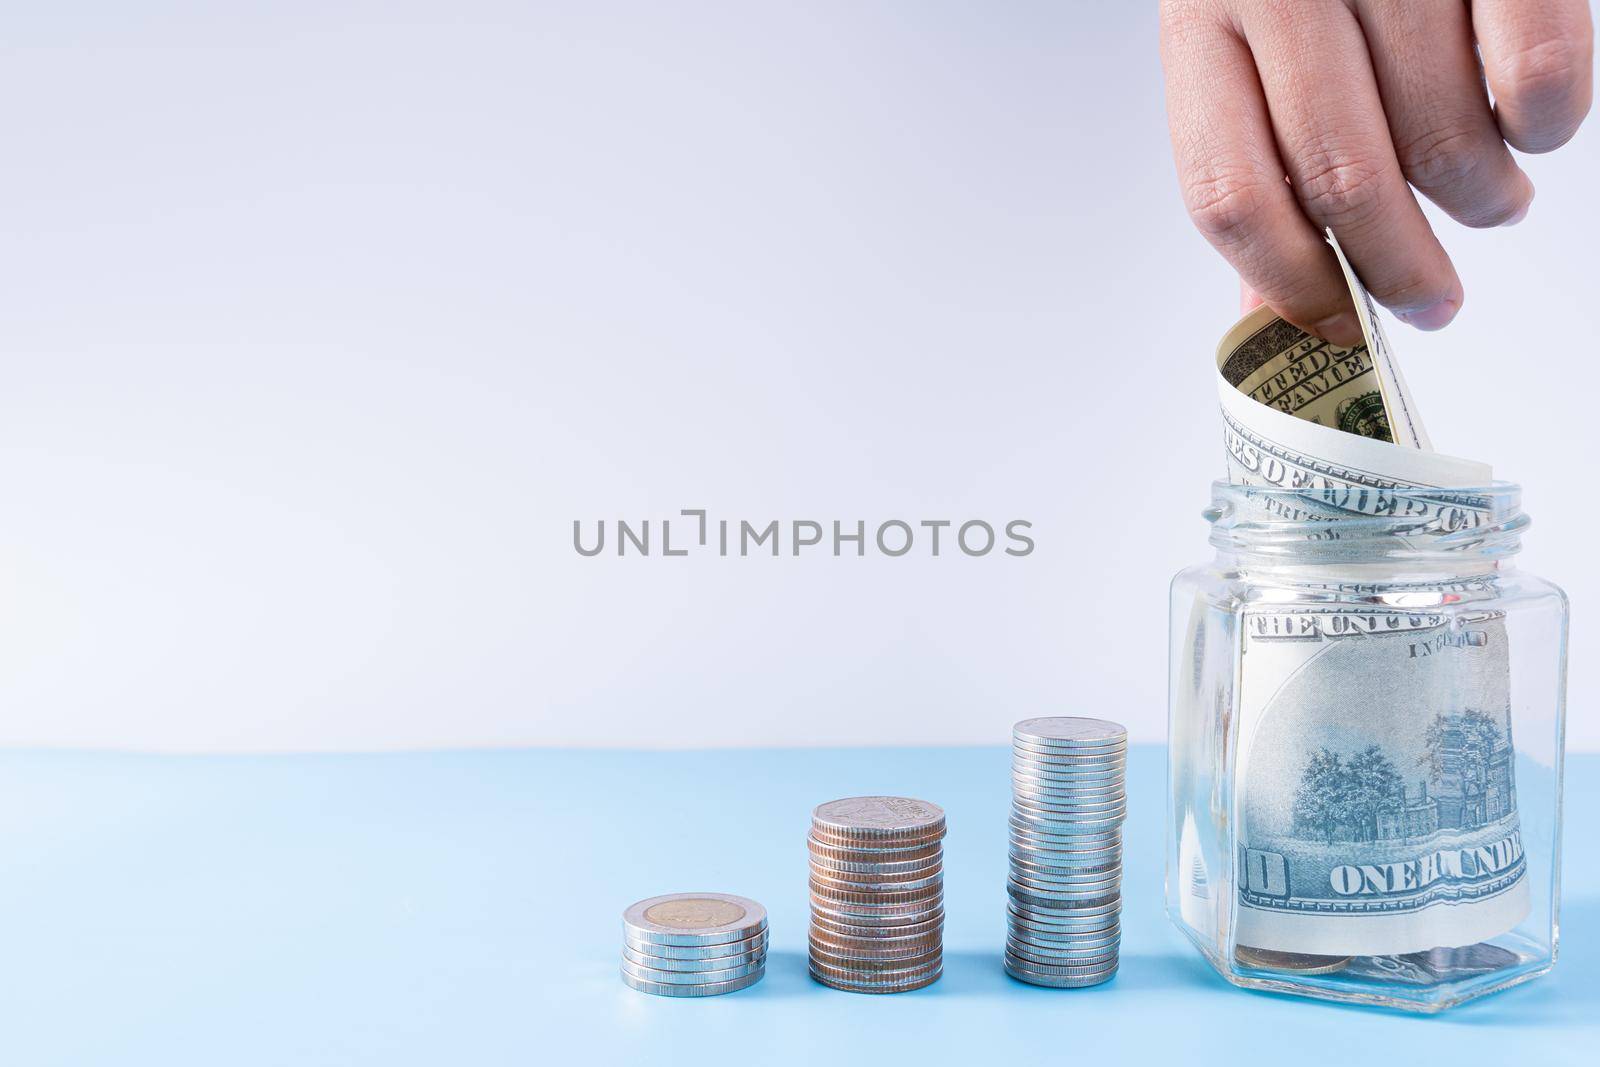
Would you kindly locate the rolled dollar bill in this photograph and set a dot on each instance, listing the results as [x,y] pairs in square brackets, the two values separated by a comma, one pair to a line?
[1375,796]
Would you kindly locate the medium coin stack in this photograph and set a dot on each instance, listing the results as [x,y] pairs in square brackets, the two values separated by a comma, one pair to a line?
[1068,800]
[877,894]
[694,944]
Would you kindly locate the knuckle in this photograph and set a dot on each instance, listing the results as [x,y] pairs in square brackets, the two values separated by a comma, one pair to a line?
[1411,289]
[1440,157]
[1225,207]
[1548,82]
[1454,164]
[1340,190]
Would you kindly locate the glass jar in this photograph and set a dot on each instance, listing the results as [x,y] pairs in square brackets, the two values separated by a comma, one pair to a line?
[1366,707]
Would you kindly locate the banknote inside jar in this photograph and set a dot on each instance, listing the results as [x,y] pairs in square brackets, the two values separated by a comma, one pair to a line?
[1375,837]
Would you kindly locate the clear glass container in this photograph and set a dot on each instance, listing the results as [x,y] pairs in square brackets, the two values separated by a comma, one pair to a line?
[1366,708]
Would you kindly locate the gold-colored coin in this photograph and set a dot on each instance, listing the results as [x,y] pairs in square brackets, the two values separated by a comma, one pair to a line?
[1266,959]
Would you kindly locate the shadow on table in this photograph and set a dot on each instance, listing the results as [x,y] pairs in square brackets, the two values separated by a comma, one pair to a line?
[982,974]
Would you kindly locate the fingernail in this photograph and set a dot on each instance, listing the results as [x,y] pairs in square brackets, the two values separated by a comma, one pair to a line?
[1248,298]
[1436,317]
[1342,329]
[1527,202]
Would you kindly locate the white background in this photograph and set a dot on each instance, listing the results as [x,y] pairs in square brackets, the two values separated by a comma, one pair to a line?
[321,324]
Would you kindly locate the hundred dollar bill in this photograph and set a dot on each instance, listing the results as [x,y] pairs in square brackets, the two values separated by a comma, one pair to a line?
[1375,796]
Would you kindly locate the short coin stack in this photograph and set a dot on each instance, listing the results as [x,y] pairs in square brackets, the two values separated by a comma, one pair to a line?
[877,894]
[694,944]
[1068,800]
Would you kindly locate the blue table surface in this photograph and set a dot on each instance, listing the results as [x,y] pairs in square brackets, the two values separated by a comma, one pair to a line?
[465,908]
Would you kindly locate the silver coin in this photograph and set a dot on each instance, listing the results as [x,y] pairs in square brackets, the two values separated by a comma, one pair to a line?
[1061,839]
[1066,812]
[864,959]
[1033,881]
[663,989]
[1050,778]
[1056,915]
[1060,935]
[1057,861]
[875,948]
[650,974]
[878,817]
[865,851]
[1063,880]
[698,952]
[693,919]
[1024,761]
[1025,758]
[1076,795]
[1063,859]
[1082,793]
[1061,951]
[1057,815]
[1077,963]
[1064,892]
[855,960]
[1034,783]
[1067,920]
[1022,748]
[1061,969]
[1064,939]
[909,867]
[877,899]
[844,915]
[1023,974]
[886,971]
[1039,975]
[842,928]
[1056,754]
[1046,899]
[1067,805]
[877,975]
[1074,834]
[1070,730]
[713,963]
[880,871]
[877,987]
[1071,859]
[1069,846]
[848,882]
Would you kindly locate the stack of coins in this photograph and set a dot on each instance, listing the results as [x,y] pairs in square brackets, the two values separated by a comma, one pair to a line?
[877,894]
[1068,800]
[694,944]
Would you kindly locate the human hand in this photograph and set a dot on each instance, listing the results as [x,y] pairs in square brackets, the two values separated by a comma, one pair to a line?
[1351,100]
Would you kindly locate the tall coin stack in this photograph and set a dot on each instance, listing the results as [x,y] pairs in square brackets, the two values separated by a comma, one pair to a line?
[877,894]
[694,944]
[1068,800]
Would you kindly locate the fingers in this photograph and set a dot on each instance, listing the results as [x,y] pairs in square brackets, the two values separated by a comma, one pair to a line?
[1444,132]
[1538,56]
[1233,179]
[1334,139]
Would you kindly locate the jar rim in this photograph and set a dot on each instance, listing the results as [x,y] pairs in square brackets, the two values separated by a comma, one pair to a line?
[1348,522]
